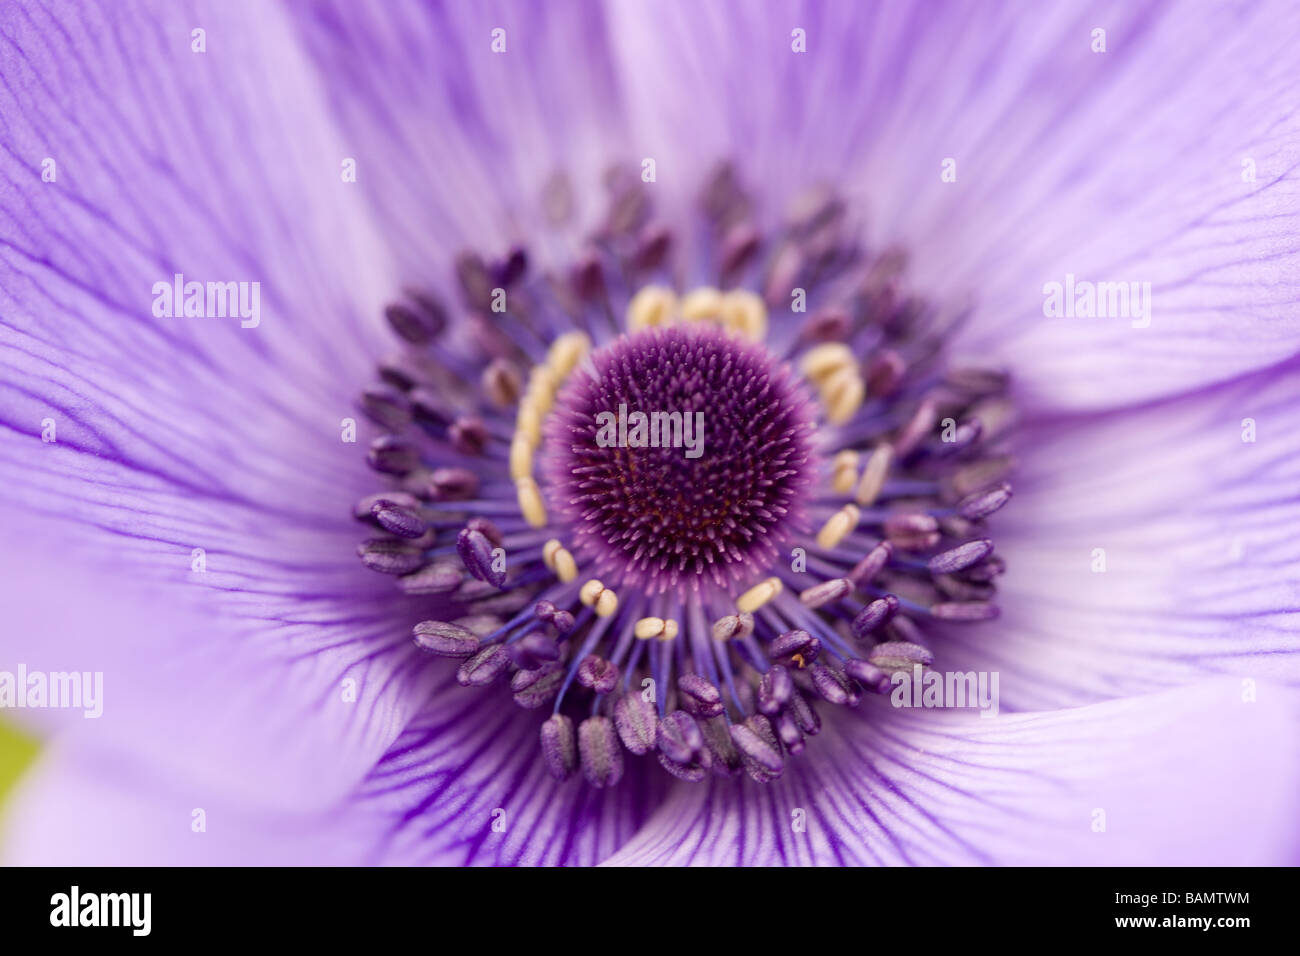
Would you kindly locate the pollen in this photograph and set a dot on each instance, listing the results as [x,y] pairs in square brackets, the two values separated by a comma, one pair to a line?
[530,501]
[594,594]
[874,474]
[543,380]
[844,471]
[557,558]
[744,313]
[842,394]
[529,423]
[521,457]
[703,303]
[655,628]
[758,595]
[822,362]
[651,307]
[838,526]
[565,354]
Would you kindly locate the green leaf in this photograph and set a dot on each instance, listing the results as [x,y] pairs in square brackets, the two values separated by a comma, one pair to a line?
[17,750]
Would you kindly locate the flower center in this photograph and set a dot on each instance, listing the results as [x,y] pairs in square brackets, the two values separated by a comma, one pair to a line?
[681,456]
[676,515]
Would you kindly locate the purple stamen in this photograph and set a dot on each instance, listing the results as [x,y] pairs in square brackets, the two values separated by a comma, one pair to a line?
[874,615]
[475,551]
[559,746]
[599,751]
[445,639]
[484,668]
[634,719]
[960,557]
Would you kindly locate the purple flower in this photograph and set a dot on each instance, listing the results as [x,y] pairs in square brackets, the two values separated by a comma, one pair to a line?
[899,259]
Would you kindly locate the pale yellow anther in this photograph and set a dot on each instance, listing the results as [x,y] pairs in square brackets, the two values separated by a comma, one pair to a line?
[595,594]
[842,394]
[566,352]
[652,306]
[873,476]
[528,423]
[744,312]
[821,362]
[530,501]
[557,557]
[655,627]
[521,457]
[542,384]
[758,595]
[591,591]
[648,627]
[606,604]
[566,568]
[838,526]
[844,472]
[702,303]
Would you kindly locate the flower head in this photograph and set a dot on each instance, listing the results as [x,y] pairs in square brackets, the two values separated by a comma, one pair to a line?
[668,540]
[437,206]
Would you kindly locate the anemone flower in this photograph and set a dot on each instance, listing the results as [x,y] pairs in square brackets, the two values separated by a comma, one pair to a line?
[784,433]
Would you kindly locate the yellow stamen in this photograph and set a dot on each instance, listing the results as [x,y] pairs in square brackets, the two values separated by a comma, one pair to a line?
[844,472]
[744,312]
[838,526]
[542,384]
[842,393]
[595,594]
[521,458]
[566,352]
[606,604]
[758,595]
[529,422]
[648,627]
[652,306]
[655,627]
[590,591]
[873,476]
[823,361]
[566,568]
[530,501]
[702,303]
[557,557]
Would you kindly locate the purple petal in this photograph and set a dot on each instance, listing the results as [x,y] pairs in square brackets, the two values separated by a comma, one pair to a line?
[1148,549]
[460,140]
[177,434]
[1126,165]
[466,783]
[947,789]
